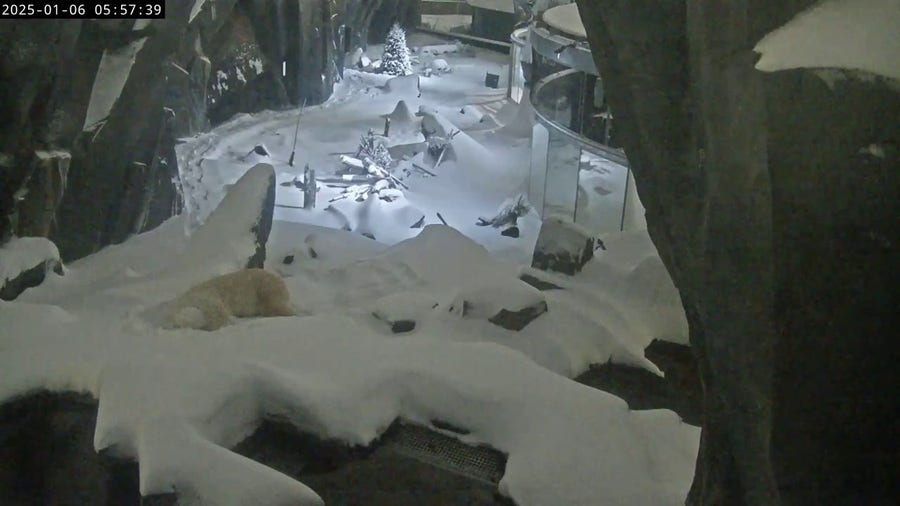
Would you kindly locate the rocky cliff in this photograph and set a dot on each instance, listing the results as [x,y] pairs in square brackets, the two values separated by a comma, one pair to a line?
[92,109]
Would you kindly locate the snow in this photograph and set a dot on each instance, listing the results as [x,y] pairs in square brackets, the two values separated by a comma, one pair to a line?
[850,34]
[112,74]
[566,19]
[176,400]
[22,253]
[491,166]
[195,9]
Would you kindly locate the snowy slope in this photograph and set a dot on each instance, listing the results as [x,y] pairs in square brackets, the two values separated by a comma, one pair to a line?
[849,34]
[175,400]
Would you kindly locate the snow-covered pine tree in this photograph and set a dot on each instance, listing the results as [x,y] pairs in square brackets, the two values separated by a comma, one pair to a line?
[395,60]
[374,149]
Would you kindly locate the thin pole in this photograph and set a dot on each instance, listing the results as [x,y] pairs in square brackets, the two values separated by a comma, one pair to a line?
[296,131]
[625,199]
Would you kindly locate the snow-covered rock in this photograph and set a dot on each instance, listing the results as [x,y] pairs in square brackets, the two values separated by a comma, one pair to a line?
[507,302]
[402,120]
[232,238]
[848,34]
[441,66]
[24,263]
[562,246]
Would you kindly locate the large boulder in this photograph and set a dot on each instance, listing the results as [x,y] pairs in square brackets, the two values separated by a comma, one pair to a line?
[562,246]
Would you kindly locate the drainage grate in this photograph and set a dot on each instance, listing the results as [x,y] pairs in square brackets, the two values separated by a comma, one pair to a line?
[425,445]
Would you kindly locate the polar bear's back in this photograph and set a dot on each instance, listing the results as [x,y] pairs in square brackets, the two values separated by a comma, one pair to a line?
[248,292]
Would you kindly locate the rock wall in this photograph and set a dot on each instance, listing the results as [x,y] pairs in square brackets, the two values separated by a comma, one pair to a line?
[778,226]
[112,97]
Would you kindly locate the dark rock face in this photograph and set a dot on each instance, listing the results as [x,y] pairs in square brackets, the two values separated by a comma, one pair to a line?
[47,457]
[780,244]
[679,390]
[562,247]
[518,320]
[401,326]
[32,277]
[263,226]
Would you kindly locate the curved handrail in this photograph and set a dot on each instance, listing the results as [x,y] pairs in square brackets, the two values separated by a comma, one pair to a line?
[567,51]
[611,154]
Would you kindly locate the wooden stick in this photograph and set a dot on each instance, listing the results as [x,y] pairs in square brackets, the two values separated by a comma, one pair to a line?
[423,169]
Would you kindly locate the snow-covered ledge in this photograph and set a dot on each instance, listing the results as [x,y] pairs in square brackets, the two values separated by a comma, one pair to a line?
[849,34]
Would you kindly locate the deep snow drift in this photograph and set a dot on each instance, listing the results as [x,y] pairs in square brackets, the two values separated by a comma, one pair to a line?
[175,400]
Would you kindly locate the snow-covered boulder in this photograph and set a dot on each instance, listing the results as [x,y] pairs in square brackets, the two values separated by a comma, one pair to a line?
[402,119]
[441,66]
[234,237]
[24,263]
[507,302]
[562,246]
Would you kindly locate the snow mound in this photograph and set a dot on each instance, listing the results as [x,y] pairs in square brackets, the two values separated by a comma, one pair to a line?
[468,153]
[402,120]
[225,243]
[22,253]
[482,299]
[387,222]
[443,255]
[850,34]
[309,243]
[406,86]
[409,305]
[440,65]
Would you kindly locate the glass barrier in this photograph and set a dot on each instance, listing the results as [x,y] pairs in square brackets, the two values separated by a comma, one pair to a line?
[572,174]
[519,65]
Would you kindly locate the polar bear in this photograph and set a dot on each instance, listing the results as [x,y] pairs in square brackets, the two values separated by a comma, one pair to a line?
[212,303]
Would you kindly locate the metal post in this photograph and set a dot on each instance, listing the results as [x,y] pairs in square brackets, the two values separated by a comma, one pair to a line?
[625,199]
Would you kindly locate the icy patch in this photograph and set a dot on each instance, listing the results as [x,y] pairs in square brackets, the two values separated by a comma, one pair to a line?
[22,253]
[850,34]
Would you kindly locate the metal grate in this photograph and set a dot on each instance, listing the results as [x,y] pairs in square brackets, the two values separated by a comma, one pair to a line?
[425,445]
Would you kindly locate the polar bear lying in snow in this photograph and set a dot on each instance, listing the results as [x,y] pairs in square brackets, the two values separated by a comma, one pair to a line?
[212,303]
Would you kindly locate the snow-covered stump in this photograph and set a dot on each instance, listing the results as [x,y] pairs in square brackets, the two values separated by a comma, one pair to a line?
[562,246]
[24,263]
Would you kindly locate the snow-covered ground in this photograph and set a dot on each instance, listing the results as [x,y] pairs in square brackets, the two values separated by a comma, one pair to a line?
[175,400]
[489,165]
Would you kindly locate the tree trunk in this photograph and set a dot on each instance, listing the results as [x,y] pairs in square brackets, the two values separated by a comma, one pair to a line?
[688,105]
[761,192]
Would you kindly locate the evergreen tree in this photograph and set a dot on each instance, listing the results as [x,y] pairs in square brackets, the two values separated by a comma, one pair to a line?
[395,60]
